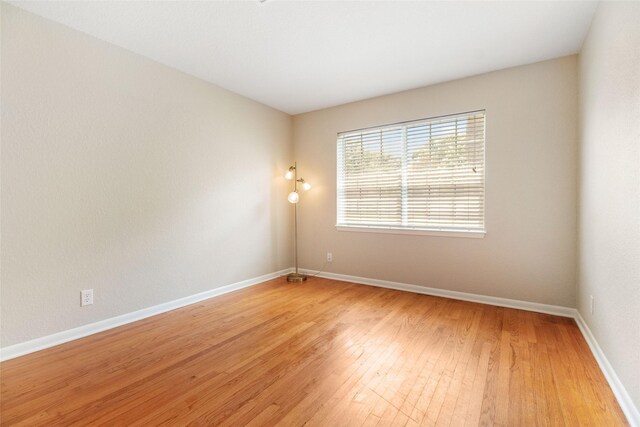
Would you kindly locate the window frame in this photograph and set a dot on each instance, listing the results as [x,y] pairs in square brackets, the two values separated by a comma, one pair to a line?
[412,229]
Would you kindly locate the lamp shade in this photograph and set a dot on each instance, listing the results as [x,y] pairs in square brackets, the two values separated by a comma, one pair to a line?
[289,175]
[293,197]
[306,186]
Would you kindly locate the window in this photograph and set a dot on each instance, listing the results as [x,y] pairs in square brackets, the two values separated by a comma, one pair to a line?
[424,175]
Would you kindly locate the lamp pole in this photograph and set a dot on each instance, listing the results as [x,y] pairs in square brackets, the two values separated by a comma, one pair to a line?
[295,221]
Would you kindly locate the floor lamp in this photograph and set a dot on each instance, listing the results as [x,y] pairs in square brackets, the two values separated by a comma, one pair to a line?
[294,198]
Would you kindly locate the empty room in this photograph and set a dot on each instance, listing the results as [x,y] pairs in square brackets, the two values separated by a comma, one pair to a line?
[320,213]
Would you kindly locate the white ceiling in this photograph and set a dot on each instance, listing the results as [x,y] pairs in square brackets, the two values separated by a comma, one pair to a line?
[299,56]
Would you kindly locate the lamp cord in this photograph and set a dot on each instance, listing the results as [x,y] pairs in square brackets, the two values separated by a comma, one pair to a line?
[317,273]
[321,270]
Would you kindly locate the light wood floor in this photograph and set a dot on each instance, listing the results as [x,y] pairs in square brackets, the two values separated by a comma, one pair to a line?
[321,353]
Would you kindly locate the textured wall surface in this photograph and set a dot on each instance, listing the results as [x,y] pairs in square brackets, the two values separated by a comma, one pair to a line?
[128,177]
[529,251]
[609,250]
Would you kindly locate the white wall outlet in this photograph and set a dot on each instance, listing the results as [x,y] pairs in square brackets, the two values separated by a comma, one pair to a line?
[592,303]
[86,297]
[329,257]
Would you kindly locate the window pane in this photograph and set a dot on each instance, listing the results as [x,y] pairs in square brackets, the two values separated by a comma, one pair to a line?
[371,177]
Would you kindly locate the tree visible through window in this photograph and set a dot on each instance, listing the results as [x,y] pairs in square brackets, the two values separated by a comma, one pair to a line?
[425,174]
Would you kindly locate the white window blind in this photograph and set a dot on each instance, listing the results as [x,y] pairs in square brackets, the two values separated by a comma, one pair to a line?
[421,175]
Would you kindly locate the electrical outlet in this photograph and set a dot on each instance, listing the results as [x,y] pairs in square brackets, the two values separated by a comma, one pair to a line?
[329,257]
[592,303]
[86,297]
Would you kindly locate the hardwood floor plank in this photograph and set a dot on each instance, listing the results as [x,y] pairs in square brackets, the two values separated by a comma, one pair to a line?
[323,353]
[474,412]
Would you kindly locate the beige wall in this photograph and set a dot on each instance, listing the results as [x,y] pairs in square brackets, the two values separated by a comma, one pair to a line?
[609,260]
[529,252]
[128,177]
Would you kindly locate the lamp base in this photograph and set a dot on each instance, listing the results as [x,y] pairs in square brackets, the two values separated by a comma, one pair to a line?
[296,277]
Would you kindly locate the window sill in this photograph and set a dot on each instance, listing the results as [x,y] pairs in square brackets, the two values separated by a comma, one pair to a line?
[414,231]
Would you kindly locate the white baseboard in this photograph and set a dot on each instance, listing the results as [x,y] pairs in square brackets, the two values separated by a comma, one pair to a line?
[41,343]
[626,404]
[482,299]
[624,400]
